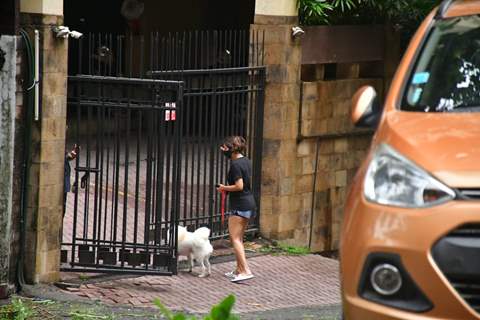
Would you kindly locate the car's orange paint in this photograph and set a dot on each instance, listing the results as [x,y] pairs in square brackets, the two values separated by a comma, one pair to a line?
[463,8]
[448,147]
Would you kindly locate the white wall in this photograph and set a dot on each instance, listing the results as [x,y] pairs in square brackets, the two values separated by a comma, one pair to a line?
[53,7]
[276,7]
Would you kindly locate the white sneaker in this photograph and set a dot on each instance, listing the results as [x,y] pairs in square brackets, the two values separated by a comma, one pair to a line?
[230,274]
[242,277]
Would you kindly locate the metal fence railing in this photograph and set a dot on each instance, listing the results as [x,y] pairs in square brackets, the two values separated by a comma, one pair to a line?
[149,115]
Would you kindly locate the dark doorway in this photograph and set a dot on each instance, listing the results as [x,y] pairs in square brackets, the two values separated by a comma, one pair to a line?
[8,16]
[94,16]
[162,16]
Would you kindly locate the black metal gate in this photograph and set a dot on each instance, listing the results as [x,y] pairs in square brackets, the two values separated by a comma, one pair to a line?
[149,136]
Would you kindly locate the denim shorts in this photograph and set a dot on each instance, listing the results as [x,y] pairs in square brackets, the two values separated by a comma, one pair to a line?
[244,214]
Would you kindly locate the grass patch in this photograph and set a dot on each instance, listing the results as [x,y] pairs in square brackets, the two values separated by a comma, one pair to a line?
[283,249]
[294,251]
[21,308]
[89,315]
[83,277]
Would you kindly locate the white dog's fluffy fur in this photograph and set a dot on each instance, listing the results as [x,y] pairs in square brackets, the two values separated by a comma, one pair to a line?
[195,245]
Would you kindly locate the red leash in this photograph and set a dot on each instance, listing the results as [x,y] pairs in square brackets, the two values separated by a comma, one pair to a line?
[224,196]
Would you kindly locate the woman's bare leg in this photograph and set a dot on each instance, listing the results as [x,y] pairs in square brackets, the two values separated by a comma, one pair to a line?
[236,228]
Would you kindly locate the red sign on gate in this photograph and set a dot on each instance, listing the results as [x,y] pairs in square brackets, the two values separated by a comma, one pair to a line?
[170,114]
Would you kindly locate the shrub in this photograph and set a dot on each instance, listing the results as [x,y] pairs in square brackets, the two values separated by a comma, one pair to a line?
[403,14]
[221,311]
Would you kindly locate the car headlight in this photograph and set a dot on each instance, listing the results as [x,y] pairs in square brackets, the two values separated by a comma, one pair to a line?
[393,180]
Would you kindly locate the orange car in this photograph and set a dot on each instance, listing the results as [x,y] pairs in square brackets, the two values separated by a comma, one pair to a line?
[410,244]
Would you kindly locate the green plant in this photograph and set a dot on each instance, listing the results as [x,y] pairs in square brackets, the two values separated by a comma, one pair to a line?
[344,5]
[16,310]
[283,249]
[294,250]
[83,277]
[88,315]
[403,14]
[22,310]
[221,311]
[313,12]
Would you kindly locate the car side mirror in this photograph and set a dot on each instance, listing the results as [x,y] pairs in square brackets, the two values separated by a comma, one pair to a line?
[366,110]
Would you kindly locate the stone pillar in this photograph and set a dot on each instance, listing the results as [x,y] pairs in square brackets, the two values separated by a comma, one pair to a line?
[45,207]
[8,66]
[280,204]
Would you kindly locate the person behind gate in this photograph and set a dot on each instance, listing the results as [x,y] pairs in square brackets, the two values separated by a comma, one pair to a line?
[241,202]
[69,156]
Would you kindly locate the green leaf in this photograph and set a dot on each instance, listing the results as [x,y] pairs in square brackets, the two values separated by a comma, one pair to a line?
[22,311]
[223,309]
[405,14]
[163,310]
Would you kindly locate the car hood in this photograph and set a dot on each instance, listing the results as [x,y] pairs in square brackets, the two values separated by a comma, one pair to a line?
[446,145]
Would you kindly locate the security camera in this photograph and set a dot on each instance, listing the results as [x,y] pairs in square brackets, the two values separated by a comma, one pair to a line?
[297,32]
[76,34]
[64,32]
[61,31]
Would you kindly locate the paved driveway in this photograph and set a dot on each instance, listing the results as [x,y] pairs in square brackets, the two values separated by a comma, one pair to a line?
[281,282]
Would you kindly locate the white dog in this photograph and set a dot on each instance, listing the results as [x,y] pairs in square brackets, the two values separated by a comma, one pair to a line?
[195,245]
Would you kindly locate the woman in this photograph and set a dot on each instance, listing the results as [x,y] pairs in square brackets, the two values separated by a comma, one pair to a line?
[241,202]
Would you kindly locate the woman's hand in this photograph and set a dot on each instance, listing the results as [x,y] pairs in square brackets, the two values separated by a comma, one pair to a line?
[73,153]
[238,186]
[220,187]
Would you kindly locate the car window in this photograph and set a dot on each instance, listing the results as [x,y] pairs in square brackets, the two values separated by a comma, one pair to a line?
[446,77]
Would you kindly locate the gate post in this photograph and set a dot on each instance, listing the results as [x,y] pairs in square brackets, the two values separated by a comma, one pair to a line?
[280,205]
[45,189]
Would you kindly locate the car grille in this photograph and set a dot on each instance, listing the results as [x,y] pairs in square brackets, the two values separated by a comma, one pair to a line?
[467,230]
[470,194]
[458,256]
[470,292]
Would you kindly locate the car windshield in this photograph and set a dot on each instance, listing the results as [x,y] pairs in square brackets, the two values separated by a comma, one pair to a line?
[446,77]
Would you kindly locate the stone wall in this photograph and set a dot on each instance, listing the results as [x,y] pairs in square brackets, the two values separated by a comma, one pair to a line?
[311,149]
[306,207]
[18,156]
[8,71]
[329,153]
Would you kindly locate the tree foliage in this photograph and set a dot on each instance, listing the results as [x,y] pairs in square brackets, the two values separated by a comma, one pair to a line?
[403,14]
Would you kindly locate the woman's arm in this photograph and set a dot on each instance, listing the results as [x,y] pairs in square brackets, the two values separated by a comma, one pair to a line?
[238,186]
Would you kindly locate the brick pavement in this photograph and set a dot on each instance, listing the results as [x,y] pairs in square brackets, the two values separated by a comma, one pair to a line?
[280,282]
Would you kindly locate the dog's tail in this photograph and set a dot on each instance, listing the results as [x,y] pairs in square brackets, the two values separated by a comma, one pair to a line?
[202,233]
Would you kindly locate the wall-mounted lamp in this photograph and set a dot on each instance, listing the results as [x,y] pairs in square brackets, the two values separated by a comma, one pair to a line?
[65,32]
